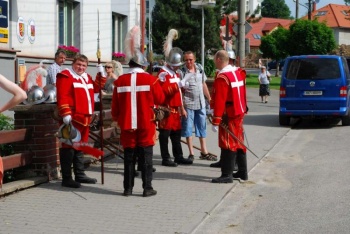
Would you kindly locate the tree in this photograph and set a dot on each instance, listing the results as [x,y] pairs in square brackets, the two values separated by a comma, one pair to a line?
[347,2]
[275,9]
[310,37]
[179,15]
[274,45]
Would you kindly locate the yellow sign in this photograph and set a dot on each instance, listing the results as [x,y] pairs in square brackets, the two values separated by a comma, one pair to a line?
[4,35]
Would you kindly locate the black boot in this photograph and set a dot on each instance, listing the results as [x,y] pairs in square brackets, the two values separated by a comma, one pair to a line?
[242,172]
[66,160]
[129,170]
[147,170]
[79,169]
[182,160]
[227,164]
[175,137]
[217,164]
[164,150]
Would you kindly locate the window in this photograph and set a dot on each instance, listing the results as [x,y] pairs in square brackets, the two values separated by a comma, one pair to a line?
[346,13]
[69,23]
[320,13]
[257,36]
[117,32]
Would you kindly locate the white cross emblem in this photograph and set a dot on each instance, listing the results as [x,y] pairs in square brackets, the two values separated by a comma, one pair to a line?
[133,89]
[237,84]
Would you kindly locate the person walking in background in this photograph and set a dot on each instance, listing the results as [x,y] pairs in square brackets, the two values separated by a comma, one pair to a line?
[53,69]
[264,81]
[134,97]
[228,108]
[194,111]
[75,104]
[171,84]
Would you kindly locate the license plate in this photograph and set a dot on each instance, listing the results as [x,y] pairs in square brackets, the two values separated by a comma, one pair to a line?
[312,93]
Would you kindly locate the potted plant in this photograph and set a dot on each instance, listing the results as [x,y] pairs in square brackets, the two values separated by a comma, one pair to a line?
[118,56]
[71,51]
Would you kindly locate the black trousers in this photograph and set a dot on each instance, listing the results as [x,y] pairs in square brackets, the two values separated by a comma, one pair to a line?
[175,137]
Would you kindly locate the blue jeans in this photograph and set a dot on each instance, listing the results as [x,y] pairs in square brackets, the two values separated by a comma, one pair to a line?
[196,118]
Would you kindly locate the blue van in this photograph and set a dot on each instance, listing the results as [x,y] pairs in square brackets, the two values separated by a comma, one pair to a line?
[315,86]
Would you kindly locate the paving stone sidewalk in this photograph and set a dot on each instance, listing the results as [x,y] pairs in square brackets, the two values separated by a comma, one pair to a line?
[185,197]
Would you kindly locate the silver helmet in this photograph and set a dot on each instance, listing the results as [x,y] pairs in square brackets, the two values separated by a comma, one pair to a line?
[175,57]
[50,93]
[231,54]
[140,59]
[35,95]
[68,134]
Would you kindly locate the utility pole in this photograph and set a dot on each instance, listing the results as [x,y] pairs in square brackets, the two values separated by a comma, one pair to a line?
[241,33]
[296,9]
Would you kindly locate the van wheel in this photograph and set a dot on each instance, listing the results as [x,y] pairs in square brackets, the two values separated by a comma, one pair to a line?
[284,120]
[345,120]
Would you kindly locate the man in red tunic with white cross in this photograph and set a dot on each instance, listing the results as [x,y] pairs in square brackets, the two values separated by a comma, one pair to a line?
[171,84]
[134,96]
[75,103]
[229,106]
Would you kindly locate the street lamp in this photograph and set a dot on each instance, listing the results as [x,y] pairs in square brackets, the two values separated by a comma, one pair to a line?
[308,7]
[201,5]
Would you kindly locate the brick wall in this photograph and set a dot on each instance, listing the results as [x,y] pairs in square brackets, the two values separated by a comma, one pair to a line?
[43,142]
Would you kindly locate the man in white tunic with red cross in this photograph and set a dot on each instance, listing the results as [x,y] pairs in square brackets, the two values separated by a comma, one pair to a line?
[134,96]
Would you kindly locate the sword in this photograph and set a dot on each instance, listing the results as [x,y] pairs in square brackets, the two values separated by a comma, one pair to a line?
[224,126]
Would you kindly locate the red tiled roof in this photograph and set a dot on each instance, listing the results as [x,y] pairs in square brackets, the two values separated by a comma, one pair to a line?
[333,15]
[265,25]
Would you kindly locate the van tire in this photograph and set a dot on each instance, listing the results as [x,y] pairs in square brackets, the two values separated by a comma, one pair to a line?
[345,120]
[284,120]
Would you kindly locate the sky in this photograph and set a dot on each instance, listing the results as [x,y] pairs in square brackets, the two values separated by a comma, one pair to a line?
[303,10]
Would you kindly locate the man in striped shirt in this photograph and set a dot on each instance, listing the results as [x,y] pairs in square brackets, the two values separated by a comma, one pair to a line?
[60,58]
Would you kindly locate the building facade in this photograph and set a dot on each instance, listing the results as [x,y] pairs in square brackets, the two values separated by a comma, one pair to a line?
[31,31]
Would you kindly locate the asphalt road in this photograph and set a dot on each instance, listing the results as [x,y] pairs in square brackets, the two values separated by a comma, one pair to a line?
[300,185]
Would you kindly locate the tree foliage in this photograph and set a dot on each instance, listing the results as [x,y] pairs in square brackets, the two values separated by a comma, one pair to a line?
[178,14]
[274,44]
[275,9]
[310,37]
[303,37]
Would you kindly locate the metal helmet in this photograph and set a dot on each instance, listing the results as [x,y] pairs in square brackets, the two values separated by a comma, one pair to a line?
[140,59]
[50,93]
[68,134]
[175,57]
[231,54]
[35,95]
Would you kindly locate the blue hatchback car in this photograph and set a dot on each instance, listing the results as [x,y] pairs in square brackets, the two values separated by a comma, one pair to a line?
[315,86]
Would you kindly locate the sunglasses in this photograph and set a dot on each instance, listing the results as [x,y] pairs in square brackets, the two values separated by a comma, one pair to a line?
[108,67]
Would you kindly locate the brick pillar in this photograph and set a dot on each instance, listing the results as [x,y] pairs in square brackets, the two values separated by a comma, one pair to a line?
[43,142]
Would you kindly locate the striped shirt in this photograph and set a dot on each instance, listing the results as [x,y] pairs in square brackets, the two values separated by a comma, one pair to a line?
[193,96]
[52,72]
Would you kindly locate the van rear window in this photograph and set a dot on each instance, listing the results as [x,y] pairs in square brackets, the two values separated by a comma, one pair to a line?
[313,69]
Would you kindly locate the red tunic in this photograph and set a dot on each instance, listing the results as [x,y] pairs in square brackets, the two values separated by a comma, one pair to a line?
[75,97]
[173,98]
[134,97]
[100,81]
[229,98]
